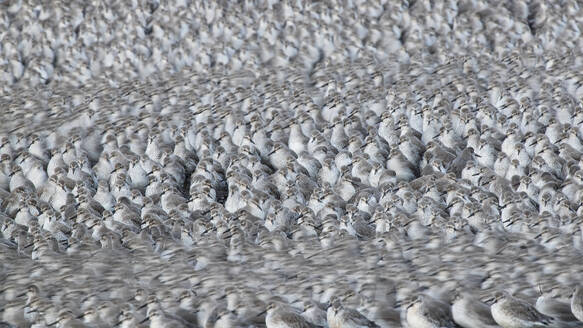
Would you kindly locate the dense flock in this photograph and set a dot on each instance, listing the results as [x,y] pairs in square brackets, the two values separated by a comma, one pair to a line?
[291,164]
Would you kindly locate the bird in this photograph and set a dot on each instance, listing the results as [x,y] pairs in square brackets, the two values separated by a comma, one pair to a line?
[424,311]
[278,316]
[159,320]
[468,311]
[339,315]
[67,319]
[314,314]
[550,304]
[509,311]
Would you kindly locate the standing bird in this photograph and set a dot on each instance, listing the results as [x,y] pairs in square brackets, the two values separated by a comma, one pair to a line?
[340,316]
[470,312]
[280,317]
[511,312]
[427,312]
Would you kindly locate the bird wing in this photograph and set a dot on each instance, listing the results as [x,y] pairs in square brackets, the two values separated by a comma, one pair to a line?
[482,312]
[358,318]
[527,312]
[293,320]
[534,315]
[363,230]
[439,312]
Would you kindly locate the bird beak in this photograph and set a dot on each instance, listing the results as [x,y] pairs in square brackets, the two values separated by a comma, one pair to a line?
[145,319]
[262,313]
[227,236]
[346,297]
